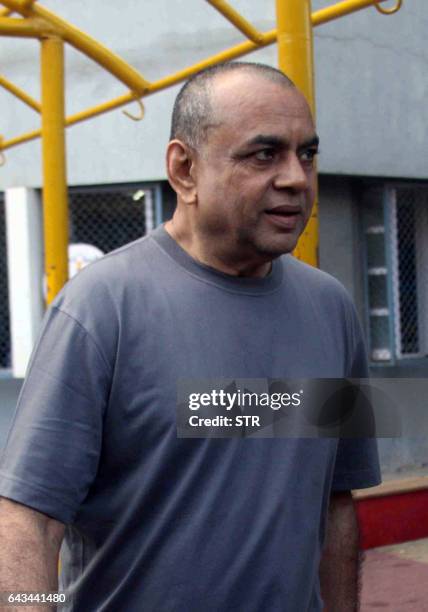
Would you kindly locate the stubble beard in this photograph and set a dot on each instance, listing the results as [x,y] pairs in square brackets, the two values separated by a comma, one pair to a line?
[267,248]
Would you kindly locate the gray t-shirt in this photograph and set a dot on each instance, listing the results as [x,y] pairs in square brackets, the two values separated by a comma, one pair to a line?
[166,524]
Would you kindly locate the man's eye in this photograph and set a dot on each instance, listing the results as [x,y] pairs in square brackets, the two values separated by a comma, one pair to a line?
[264,154]
[309,154]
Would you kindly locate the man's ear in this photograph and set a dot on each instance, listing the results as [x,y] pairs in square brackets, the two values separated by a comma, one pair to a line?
[180,166]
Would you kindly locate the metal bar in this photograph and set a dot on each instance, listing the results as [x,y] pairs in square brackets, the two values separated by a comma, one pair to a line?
[21,6]
[18,6]
[26,28]
[237,20]
[73,119]
[5,12]
[223,56]
[295,59]
[90,47]
[100,109]
[14,142]
[318,18]
[365,263]
[159,85]
[340,10]
[19,94]
[55,213]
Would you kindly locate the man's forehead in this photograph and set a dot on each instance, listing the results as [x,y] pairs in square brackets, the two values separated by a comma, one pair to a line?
[251,99]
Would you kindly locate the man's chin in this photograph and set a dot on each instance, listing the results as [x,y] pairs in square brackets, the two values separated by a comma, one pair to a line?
[277,247]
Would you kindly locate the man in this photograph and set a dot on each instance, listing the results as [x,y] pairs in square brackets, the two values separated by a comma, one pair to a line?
[159,523]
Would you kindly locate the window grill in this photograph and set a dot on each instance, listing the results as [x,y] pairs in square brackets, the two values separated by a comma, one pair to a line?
[395,237]
[110,217]
[410,270]
[4,294]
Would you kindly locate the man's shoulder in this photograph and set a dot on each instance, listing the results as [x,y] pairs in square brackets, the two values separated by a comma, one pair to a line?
[324,297]
[104,283]
[313,280]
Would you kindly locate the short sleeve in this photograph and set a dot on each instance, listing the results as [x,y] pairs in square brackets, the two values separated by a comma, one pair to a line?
[53,448]
[357,459]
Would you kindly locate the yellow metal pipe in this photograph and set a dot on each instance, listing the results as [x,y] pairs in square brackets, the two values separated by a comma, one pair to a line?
[73,119]
[19,94]
[18,6]
[26,28]
[295,48]
[97,52]
[340,10]
[55,213]
[100,109]
[5,12]
[90,47]
[238,21]
[295,59]
[17,140]
[152,88]
[318,18]
[223,56]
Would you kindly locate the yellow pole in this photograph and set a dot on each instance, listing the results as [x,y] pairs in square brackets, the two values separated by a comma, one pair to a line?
[295,55]
[55,211]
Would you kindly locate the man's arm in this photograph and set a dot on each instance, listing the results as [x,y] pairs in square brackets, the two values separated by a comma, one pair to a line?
[30,543]
[340,562]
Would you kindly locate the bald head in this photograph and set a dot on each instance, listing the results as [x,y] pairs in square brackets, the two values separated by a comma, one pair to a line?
[194,110]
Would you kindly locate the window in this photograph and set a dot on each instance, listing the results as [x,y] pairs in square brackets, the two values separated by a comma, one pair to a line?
[395,230]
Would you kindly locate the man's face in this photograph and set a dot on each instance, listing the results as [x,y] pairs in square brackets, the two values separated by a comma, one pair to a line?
[255,174]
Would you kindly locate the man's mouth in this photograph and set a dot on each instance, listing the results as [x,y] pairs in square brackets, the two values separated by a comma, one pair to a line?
[284,216]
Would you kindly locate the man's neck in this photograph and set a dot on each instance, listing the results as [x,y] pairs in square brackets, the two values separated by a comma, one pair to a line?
[195,249]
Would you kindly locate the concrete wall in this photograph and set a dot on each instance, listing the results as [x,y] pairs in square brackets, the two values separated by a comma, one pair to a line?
[372,86]
[339,234]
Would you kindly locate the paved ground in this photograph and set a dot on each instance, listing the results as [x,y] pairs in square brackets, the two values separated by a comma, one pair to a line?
[395,578]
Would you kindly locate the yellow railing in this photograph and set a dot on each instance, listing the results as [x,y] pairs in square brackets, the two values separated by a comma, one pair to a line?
[295,51]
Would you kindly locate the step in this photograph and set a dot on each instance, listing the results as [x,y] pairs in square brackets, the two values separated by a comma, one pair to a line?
[393,512]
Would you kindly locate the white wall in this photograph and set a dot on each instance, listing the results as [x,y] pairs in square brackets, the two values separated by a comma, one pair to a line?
[25,272]
[372,87]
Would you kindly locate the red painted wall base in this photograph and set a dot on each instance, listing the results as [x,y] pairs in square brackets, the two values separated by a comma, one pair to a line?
[392,519]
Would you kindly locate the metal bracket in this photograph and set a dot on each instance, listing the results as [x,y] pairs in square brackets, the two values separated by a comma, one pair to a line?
[388,11]
[136,117]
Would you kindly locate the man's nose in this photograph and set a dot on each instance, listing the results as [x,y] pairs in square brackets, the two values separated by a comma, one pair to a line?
[291,174]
